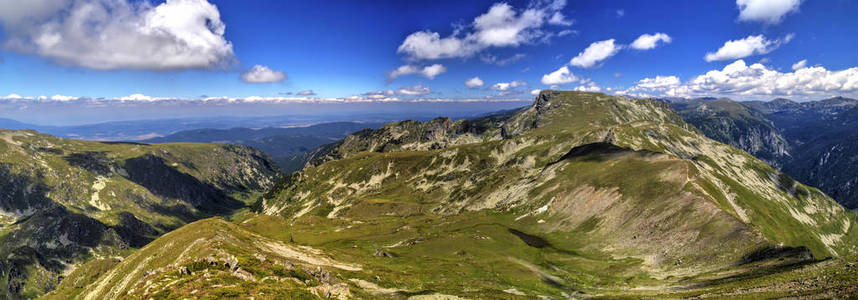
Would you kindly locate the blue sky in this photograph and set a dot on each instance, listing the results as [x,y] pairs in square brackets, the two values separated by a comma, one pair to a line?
[346,50]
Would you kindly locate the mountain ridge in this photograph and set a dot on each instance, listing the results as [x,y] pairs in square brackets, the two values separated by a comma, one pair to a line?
[581,194]
[66,201]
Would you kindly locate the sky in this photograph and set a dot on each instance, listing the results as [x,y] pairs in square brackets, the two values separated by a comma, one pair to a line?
[170,54]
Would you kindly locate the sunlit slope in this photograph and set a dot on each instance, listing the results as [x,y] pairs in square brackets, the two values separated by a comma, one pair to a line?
[66,201]
[627,176]
[211,259]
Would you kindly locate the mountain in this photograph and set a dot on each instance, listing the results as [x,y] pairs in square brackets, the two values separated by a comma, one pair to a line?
[581,192]
[65,202]
[814,142]
[285,145]
[12,124]
[580,195]
[732,123]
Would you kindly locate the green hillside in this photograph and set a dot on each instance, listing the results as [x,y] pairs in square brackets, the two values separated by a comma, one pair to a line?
[581,195]
[66,201]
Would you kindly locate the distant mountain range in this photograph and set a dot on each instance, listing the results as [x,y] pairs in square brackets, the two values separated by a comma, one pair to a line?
[285,145]
[815,142]
[136,130]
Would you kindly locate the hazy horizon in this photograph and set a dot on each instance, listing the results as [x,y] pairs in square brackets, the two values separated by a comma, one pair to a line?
[84,62]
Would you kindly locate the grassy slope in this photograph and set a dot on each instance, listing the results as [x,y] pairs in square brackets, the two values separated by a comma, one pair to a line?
[469,255]
[211,259]
[68,201]
[679,198]
[664,213]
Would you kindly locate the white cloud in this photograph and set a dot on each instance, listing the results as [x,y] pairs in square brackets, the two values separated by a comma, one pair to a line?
[559,19]
[659,82]
[561,76]
[474,83]
[13,96]
[595,53]
[62,98]
[119,34]
[588,86]
[430,45]
[799,65]
[753,82]
[503,86]
[500,26]
[766,11]
[566,32]
[650,41]
[621,13]
[262,74]
[402,70]
[535,92]
[751,45]
[417,90]
[433,70]
[503,26]
[306,93]
[136,97]
[427,71]
[379,94]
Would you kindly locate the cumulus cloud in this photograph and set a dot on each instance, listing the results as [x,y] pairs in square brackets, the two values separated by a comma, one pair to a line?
[119,34]
[753,82]
[751,45]
[504,86]
[433,70]
[799,65]
[535,92]
[650,41]
[427,71]
[13,96]
[501,26]
[561,76]
[262,74]
[474,83]
[306,93]
[595,53]
[766,11]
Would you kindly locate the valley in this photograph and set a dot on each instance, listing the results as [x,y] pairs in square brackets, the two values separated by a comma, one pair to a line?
[813,142]
[579,195]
